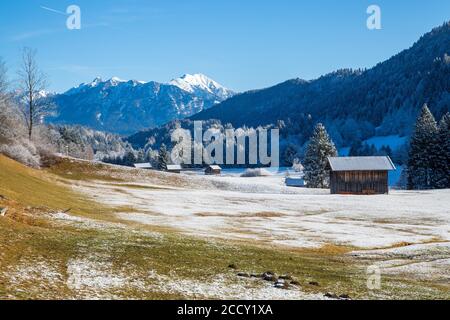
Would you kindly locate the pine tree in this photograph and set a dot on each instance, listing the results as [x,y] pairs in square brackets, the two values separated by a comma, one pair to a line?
[423,152]
[385,151]
[129,159]
[442,179]
[319,148]
[163,158]
[355,148]
[140,156]
[289,155]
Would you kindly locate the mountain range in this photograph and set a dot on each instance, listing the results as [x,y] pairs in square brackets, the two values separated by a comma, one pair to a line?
[125,107]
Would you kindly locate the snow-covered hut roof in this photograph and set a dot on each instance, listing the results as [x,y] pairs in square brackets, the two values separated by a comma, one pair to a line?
[361,164]
[214,167]
[173,167]
[294,182]
[143,165]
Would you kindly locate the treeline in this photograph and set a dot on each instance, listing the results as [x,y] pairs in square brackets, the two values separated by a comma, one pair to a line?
[150,141]
[429,155]
[89,144]
[131,156]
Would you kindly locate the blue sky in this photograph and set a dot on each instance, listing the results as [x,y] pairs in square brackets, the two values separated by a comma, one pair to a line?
[243,44]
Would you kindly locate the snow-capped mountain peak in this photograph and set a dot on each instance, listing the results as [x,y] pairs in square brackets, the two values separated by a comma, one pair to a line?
[194,83]
[114,81]
[94,82]
[98,80]
[191,82]
[45,94]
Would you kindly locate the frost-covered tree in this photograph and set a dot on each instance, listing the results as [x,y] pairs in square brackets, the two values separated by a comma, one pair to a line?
[163,158]
[289,155]
[319,148]
[3,81]
[13,142]
[129,159]
[297,166]
[140,157]
[4,116]
[442,178]
[152,157]
[423,152]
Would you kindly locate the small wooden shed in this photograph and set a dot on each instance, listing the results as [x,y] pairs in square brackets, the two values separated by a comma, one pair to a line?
[173,168]
[359,175]
[213,170]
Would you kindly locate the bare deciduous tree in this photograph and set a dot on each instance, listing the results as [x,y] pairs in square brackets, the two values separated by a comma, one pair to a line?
[33,83]
[3,101]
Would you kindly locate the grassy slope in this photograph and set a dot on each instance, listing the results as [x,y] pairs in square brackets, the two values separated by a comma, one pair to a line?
[27,236]
[38,188]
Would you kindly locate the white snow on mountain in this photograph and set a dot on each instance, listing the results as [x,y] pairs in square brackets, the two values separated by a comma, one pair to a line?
[44,94]
[114,81]
[127,106]
[94,82]
[196,84]
[199,83]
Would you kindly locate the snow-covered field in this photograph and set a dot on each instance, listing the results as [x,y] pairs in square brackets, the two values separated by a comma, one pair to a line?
[262,209]
[405,233]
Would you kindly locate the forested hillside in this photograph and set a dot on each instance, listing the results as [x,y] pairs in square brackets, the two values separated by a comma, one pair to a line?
[384,100]
[354,105]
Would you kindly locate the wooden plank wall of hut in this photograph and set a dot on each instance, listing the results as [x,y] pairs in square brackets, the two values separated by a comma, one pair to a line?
[359,182]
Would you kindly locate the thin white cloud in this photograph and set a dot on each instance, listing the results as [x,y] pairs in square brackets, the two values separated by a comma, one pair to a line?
[53,10]
[39,32]
[112,18]
[32,34]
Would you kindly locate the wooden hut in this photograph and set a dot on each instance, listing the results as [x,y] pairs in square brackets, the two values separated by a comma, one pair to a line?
[359,175]
[213,170]
[146,166]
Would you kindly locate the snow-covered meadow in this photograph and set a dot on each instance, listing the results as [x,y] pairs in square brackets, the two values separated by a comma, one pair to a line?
[405,233]
[207,237]
[262,209]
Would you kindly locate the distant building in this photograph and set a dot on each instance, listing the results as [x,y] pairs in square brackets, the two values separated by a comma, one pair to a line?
[294,182]
[173,168]
[359,175]
[213,170]
[147,166]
